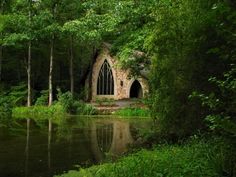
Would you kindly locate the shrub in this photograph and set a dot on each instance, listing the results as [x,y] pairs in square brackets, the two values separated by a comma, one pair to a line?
[43,99]
[65,104]
[85,109]
[66,100]
[15,96]
[5,106]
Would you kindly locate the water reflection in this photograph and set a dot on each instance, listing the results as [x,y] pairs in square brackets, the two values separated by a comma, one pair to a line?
[104,136]
[49,145]
[55,146]
[110,136]
[27,147]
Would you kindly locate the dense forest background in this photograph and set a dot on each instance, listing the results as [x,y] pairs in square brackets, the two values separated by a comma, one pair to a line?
[189,48]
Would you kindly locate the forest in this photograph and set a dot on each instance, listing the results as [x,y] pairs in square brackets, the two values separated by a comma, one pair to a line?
[48,47]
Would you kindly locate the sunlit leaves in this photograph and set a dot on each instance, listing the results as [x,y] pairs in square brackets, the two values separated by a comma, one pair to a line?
[91,27]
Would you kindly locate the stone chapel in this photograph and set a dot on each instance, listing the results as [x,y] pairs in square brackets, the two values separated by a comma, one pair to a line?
[108,80]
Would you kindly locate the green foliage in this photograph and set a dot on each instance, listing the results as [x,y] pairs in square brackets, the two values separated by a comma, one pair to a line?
[138,112]
[196,158]
[5,108]
[65,104]
[16,96]
[193,37]
[39,112]
[43,99]
[72,106]
[85,109]
[66,100]
[220,100]
[133,30]
[221,104]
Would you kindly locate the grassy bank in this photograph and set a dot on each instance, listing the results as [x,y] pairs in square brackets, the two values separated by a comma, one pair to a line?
[38,111]
[51,111]
[194,159]
[139,112]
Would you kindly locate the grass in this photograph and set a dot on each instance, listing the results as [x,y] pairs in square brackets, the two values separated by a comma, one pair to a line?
[138,112]
[195,159]
[38,111]
[55,110]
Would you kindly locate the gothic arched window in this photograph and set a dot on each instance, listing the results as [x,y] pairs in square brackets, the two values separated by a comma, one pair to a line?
[105,83]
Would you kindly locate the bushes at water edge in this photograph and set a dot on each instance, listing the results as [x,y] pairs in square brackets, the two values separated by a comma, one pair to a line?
[65,104]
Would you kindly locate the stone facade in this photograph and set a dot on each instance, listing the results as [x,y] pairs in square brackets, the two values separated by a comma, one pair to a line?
[122,84]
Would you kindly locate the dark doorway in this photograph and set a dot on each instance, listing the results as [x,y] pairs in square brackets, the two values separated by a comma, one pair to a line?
[136,90]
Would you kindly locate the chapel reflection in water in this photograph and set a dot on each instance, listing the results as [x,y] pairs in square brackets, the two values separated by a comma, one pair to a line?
[110,137]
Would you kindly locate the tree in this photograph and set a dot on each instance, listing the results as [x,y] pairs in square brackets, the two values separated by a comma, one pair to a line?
[51,30]
[29,59]
[22,34]
[221,101]
[70,10]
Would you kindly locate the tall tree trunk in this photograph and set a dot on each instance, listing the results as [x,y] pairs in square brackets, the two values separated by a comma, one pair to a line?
[71,66]
[1,54]
[50,71]
[29,62]
[1,47]
[29,75]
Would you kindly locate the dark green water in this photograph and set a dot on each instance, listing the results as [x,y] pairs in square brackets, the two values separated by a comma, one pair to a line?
[31,148]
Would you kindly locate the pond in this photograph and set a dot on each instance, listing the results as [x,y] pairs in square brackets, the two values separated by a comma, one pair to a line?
[30,148]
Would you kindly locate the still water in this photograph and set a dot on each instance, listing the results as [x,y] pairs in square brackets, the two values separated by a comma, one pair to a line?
[31,148]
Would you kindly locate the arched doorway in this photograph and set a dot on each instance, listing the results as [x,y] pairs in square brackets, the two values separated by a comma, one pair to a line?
[136,90]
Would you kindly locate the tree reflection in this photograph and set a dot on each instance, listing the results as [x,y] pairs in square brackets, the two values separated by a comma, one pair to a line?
[49,145]
[27,147]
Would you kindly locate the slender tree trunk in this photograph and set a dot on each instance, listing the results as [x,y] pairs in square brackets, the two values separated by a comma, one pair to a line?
[1,34]
[29,75]
[71,66]
[29,63]
[1,54]
[50,71]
